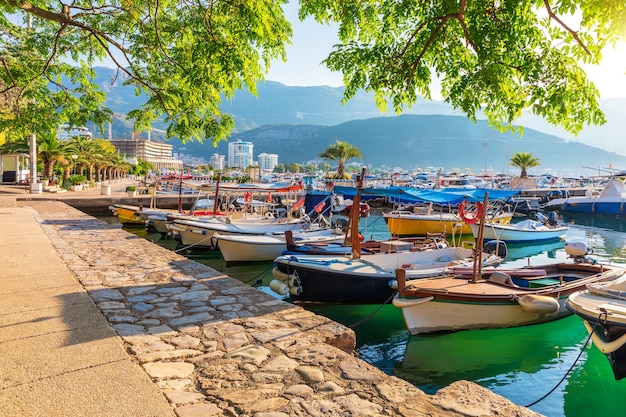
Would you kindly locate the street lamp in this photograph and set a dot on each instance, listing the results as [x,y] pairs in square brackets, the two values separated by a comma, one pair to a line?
[74,157]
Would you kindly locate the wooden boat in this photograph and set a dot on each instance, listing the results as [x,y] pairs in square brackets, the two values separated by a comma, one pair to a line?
[256,248]
[498,298]
[525,231]
[424,220]
[602,308]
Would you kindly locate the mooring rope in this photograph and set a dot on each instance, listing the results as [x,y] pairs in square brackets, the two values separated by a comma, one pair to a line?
[372,314]
[571,368]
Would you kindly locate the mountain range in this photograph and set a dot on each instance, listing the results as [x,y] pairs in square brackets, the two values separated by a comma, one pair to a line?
[298,123]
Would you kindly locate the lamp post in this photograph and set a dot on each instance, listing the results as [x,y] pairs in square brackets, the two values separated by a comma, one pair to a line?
[74,157]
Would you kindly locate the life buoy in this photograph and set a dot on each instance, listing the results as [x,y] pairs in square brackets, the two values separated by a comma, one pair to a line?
[470,217]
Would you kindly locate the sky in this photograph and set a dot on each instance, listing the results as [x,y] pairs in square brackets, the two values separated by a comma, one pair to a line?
[312,42]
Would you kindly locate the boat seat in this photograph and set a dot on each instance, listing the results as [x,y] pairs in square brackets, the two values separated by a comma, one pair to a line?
[501,278]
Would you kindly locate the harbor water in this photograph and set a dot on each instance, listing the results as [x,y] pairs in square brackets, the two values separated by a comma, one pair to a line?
[548,367]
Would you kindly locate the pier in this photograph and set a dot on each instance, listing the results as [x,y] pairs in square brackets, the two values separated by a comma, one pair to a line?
[96,321]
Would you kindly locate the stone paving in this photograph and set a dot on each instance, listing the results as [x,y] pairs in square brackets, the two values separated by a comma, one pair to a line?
[215,346]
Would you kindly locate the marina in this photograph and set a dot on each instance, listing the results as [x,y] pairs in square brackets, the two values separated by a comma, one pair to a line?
[522,364]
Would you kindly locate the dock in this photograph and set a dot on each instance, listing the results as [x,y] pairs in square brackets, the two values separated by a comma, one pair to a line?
[95,321]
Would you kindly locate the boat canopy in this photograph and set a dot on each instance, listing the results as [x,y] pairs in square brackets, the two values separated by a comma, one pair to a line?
[443,196]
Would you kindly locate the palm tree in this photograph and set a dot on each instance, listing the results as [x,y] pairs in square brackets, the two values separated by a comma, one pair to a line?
[340,152]
[50,150]
[523,161]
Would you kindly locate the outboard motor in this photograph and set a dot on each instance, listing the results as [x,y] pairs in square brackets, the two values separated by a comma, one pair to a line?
[579,251]
[496,247]
[553,218]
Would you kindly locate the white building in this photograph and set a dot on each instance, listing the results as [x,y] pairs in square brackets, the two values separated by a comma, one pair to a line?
[268,161]
[240,154]
[217,161]
[66,132]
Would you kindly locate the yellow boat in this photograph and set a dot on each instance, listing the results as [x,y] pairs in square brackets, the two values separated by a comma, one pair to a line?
[420,223]
[126,214]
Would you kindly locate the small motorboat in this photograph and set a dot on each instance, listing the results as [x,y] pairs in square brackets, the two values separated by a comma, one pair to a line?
[546,228]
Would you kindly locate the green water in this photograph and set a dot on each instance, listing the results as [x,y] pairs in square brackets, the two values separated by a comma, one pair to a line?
[522,364]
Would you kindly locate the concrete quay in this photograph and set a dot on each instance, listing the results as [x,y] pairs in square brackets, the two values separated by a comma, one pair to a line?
[95,321]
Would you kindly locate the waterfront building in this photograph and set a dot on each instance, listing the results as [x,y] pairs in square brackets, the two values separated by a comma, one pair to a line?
[217,161]
[240,154]
[66,132]
[160,155]
[268,161]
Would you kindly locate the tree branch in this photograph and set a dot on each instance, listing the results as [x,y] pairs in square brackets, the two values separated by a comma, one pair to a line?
[564,26]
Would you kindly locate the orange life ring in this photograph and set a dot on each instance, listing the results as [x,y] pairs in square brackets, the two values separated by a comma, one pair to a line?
[470,217]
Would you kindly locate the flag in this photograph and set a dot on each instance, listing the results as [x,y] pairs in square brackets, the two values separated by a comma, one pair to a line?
[319,207]
[269,197]
[298,204]
[247,197]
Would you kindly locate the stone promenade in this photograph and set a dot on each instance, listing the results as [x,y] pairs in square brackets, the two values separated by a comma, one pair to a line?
[95,321]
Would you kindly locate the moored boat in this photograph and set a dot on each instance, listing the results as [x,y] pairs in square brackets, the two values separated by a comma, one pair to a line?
[528,230]
[500,298]
[602,308]
[257,248]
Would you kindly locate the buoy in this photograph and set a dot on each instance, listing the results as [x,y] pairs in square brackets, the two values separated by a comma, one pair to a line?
[539,304]
[296,290]
[289,279]
[279,287]
[576,248]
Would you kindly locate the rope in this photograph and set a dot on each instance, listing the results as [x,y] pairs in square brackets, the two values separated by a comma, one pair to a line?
[372,314]
[258,280]
[582,349]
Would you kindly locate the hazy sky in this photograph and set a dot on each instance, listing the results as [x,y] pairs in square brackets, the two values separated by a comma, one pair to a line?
[312,42]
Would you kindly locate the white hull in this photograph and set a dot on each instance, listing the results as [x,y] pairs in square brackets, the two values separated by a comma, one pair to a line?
[518,233]
[267,248]
[425,315]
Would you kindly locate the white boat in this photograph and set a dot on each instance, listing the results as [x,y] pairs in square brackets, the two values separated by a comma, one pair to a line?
[204,233]
[500,298]
[256,248]
[525,231]
[602,308]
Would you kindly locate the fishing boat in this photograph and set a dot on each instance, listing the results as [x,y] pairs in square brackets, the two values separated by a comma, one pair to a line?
[498,298]
[602,308]
[361,278]
[528,230]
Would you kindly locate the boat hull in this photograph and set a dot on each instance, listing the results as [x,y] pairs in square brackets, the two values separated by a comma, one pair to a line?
[509,233]
[267,248]
[127,214]
[428,315]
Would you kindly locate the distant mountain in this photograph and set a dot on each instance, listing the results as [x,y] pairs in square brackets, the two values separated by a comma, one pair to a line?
[299,122]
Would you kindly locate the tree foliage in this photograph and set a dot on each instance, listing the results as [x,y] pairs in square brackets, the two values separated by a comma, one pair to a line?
[499,58]
[186,56]
[340,152]
[524,160]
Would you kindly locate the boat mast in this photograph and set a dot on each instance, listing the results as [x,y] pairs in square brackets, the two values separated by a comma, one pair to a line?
[478,247]
[352,234]
[217,190]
